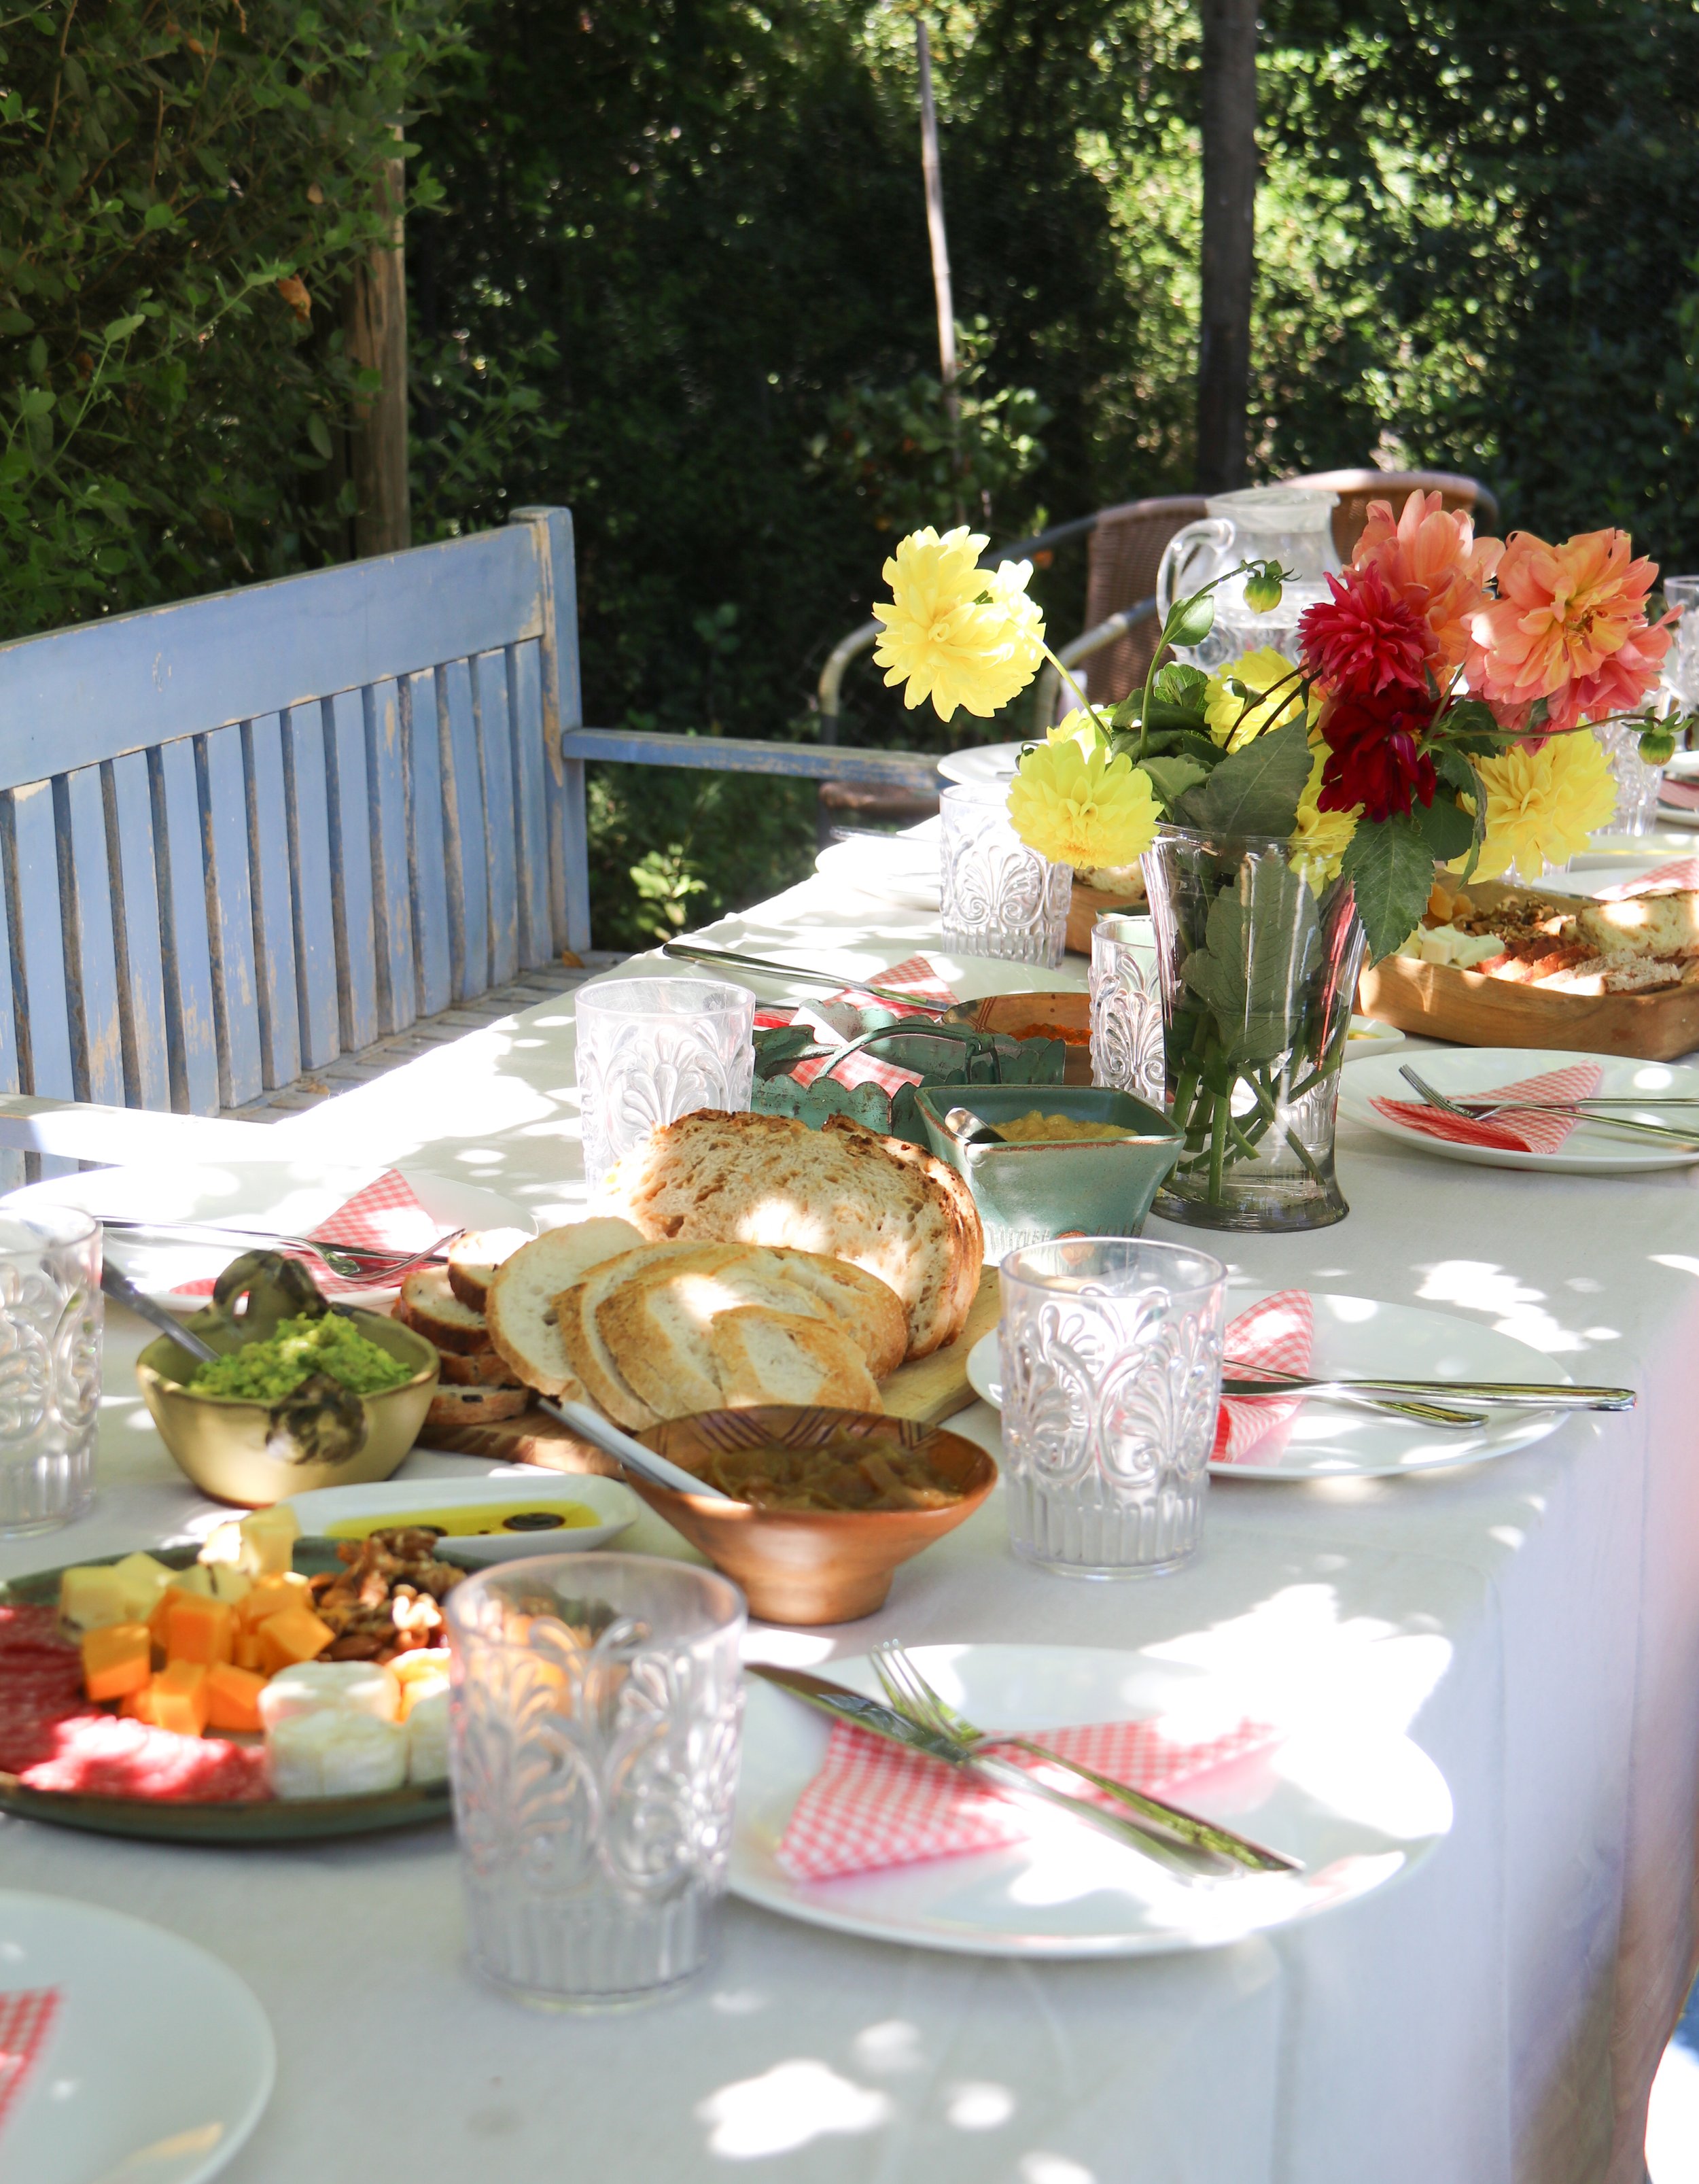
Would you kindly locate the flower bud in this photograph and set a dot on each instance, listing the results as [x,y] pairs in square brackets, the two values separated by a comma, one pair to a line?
[1262,586]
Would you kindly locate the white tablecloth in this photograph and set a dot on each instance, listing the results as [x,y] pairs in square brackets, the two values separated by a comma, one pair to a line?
[1534,1622]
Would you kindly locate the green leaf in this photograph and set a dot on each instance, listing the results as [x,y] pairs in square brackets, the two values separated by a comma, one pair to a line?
[119,330]
[1261,945]
[34,402]
[319,432]
[159,214]
[15,322]
[1256,790]
[1171,777]
[1189,621]
[1391,866]
[1182,686]
[1447,828]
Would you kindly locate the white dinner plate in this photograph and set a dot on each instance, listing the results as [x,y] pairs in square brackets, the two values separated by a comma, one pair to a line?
[1610,855]
[1367,1036]
[901,869]
[1358,1335]
[985,762]
[158,2060]
[1359,1807]
[1591,1149]
[1586,880]
[265,1197]
[398,1500]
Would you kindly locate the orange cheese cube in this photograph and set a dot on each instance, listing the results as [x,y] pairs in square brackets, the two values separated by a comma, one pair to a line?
[233,1697]
[296,1635]
[177,1697]
[117,1659]
[271,1595]
[198,1629]
[246,1651]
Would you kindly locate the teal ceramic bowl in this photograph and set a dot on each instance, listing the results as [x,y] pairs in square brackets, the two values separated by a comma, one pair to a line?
[1027,1194]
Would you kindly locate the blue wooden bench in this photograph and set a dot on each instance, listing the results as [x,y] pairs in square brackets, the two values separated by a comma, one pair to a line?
[242,835]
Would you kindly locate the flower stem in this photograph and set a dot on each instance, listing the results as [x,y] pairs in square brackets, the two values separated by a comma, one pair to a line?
[1086,704]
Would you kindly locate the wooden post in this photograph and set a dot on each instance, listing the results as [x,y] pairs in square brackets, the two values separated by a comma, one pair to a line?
[1230,239]
[374,327]
[934,224]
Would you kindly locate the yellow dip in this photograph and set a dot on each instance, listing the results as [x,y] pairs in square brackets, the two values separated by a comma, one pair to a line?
[1037,1129]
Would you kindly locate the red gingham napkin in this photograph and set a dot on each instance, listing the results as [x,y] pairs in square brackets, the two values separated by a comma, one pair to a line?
[1682,873]
[1277,1335]
[874,1805]
[26,2018]
[383,1217]
[915,975]
[1684,794]
[1517,1130]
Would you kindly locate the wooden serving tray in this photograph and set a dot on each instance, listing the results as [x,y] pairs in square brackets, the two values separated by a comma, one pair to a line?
[1438,1002]
[930,1390]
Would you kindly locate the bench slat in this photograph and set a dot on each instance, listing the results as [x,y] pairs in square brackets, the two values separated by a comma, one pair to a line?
[185,946]
[136,930]
[530,767]
[310,877]
[38,941]
[422,744]
[85,891]
[350,836]
[265,810]
[501,842]
[223,783]
[392,911]
[463,833]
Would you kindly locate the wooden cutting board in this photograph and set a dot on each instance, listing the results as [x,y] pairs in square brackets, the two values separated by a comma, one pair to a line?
[931,1389]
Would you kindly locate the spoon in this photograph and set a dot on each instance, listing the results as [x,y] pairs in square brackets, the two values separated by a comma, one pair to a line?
[969,1130]
[122,1290]
[659,1472]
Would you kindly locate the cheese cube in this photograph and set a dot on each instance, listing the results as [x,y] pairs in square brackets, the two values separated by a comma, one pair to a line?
[369,1686]
[427,1739]
[336,1752]
[269,1538]
[92,1597]
[233,1697]
[295,1635]
[177,1697]
[421,1673]
[223,1546]
[117,1659]
[158,1622]
[229,1584]
[143,1579]
[203,1630]
[268,1596]
[245,1653]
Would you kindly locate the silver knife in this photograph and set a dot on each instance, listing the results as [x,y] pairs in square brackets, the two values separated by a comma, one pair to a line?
[840,1703]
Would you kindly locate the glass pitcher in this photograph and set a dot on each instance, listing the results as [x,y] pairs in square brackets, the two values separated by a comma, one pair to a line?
[1292,524]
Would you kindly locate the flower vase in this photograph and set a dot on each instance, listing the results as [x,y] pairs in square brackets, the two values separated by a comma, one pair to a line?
[1259,971]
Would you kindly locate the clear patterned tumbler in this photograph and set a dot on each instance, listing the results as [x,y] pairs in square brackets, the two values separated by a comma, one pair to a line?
[1110,1355]
[52,1315]
[1126,1052]
[651,1049]
[998,897]
[596,1708]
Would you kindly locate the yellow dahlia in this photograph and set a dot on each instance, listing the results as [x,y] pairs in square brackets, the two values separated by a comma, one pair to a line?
[1233,718]
[955,633]
[1079,808]
[1543,804]
[1320,839]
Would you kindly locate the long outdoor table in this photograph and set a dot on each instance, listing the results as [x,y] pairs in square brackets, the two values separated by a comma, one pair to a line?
[1534,1621]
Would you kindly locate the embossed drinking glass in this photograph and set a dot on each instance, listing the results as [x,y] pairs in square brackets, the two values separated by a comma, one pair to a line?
[1681,663]
[1127,1008]
[595,1711]
[998,897]
[1111,1355]
[1637,783]
[651,1049]
[52,1314]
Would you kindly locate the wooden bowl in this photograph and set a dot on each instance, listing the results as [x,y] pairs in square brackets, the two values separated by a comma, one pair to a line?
[809,1566]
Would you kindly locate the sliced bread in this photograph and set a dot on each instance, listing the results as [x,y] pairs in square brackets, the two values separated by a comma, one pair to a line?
[476,1406]
[483,1368]
[474,1257]
[877,1203]
[520,1303]
[430,1307]
[764,1357]
[657,1325]
[601,1371]
[867,1310]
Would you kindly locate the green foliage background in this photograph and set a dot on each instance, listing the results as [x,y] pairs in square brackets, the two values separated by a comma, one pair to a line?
[667,264]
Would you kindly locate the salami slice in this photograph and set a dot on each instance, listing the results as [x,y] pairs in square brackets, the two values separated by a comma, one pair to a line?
[107,1756]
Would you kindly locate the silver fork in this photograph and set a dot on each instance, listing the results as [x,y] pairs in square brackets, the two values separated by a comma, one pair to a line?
[350,1263]
[911,1695]
[1482,1111]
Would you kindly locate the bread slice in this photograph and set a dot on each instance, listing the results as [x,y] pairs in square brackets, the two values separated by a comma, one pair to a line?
[474,1257]
[430,1307]
[519,1304]
[866,1309]
[594,1363]
[1642,924]
[845,1192]
[656,1325]
[483,1368]
[764,1357]
[476,1406]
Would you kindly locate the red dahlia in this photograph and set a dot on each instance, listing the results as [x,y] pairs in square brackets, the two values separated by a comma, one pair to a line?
[1364,639]
[1372,754]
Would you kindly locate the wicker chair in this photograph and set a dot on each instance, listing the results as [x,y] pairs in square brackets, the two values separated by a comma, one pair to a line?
[1125,548]
[1356,488]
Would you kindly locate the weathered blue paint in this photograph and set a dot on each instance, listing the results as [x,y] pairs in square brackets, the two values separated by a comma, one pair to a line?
[732,754]
[568,874]
[391,914]
[222,782]
[463,832]
[185,946]
[530,769]
[501,840]
[136,930]
[310,877]
[349,804]
[86,898]
[422,747]
[32,884]
[265,808]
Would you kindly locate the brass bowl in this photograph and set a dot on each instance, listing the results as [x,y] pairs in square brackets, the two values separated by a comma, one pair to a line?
[256,1453]
[806,1565]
